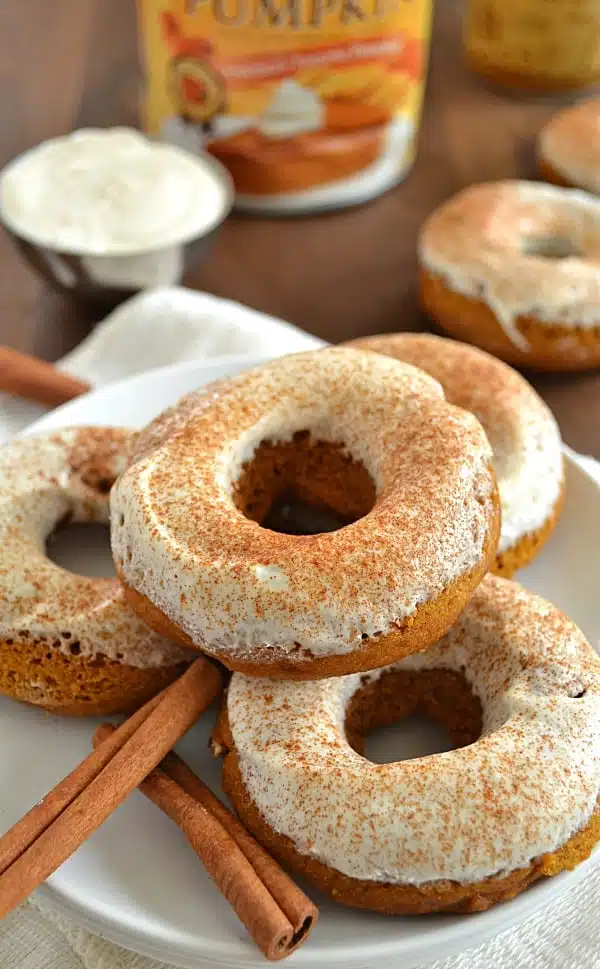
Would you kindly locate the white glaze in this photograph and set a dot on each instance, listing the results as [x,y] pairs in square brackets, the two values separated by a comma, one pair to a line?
[528,784]
[110,192]
[179,540]
[520,427]
[474,242]
[570,143]
[41,482]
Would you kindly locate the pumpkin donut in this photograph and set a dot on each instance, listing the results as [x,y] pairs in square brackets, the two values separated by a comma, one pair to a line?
[514,267]
[518,689]
[368,437]
[569,147]
[520,427]
[69,643]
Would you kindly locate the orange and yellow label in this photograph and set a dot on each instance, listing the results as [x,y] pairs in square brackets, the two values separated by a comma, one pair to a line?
[289,94]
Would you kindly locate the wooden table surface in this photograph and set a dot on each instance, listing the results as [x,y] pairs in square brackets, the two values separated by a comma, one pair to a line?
[74,62]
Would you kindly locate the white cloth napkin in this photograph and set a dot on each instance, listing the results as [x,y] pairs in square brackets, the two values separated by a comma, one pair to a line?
[162,327]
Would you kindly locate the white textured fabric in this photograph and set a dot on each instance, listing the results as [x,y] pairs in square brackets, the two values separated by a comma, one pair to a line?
[160,327]
[163,327]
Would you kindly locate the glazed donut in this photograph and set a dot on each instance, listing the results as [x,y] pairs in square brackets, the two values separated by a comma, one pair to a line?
[569,147]
[524,436]
[365,436]
[68,643]
[513,267]
[517,687]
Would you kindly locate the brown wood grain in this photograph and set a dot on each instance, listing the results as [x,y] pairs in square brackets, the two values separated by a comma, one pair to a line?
[340,275]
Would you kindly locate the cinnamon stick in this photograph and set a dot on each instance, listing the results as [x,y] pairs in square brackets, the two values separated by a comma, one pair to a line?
[277,914]
[299,909]
[178,708]
[41,815]
[36,380]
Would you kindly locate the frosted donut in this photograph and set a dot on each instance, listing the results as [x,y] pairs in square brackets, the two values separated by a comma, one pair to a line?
[514,267]
[518,688]
[524,436]
[365,436]
[69,643]
[569,147]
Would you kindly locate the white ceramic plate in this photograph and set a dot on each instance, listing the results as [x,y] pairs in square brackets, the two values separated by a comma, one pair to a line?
[137,883]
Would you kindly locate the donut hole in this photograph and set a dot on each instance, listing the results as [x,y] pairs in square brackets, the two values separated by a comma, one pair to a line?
[549,247]
[430,711]
[303,486]
[82,548]
[101,484]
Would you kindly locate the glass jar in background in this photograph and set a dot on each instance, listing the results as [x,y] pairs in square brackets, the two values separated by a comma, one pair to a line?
[535,45]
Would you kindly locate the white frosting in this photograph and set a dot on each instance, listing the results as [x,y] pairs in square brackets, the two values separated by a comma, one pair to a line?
[43,481]
[475,242]
[570,143]
[293,110]
[179,540]
[520,427]
[272,576]
[110,192]
[528,784]
[529,467]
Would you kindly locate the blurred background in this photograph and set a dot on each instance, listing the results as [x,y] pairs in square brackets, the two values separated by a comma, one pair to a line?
[339,275]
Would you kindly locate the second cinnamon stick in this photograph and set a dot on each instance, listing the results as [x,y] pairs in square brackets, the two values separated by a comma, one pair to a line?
[277,914]
[299,909]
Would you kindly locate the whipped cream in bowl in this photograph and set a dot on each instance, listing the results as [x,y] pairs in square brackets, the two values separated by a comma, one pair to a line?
[103,213]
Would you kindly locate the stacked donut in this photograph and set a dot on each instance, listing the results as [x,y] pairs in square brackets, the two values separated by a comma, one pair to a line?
[332,633]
